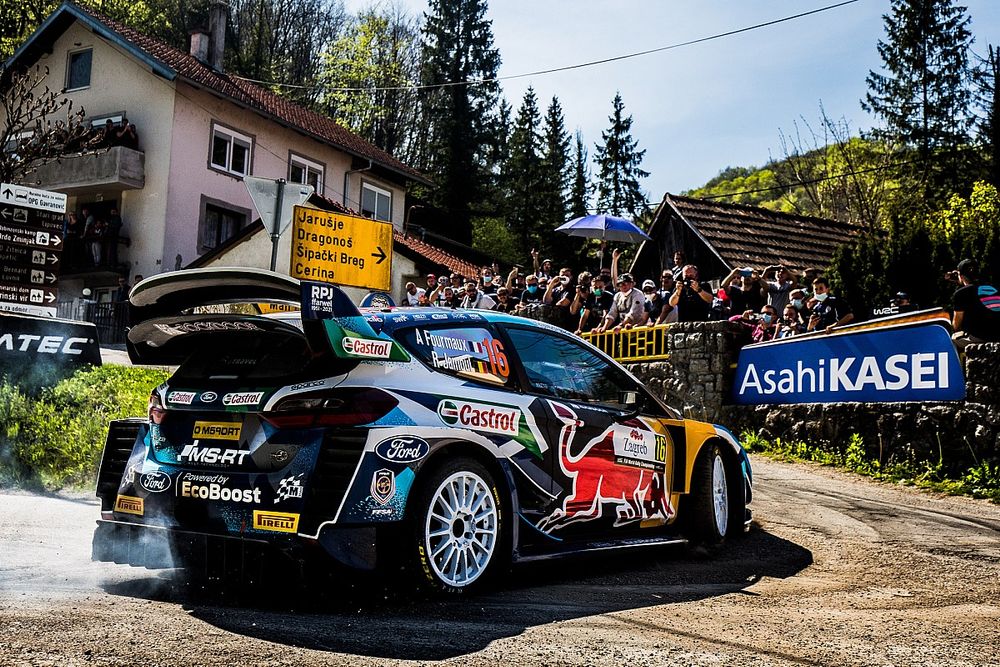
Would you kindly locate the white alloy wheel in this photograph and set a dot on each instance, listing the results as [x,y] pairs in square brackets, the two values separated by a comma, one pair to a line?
[461,529]
[720,495]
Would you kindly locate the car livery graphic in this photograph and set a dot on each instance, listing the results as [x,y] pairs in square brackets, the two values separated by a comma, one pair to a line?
[449,442]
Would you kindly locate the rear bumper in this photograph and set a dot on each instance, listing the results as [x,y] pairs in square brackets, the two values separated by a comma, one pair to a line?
[227,556]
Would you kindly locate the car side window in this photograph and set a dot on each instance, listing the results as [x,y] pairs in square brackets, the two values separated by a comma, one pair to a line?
[559,367]
[472,352]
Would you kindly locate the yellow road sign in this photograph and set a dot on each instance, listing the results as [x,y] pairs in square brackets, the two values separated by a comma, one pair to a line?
[341,249]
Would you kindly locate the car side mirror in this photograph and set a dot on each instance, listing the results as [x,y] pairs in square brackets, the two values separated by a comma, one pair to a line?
[629,400]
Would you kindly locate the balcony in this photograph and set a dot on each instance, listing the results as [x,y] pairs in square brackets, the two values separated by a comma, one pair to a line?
[116,169]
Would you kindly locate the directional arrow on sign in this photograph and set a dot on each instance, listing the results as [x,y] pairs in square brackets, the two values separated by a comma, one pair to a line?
[380,254]
[8,192]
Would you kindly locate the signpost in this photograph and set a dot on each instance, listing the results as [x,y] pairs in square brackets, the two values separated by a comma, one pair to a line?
[274,199]
[31,238]
[342,249]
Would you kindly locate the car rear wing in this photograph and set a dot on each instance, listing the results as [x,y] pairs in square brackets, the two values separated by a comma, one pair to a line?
[165,329]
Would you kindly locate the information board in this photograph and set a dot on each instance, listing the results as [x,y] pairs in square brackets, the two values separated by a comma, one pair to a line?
[342,249]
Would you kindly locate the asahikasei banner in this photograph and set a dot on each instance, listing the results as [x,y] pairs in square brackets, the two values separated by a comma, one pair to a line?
[913,363]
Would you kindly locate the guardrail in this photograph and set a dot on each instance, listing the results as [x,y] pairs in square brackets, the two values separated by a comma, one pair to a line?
[633,345]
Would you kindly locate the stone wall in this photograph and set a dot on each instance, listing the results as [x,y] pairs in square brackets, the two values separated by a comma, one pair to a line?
[698,377]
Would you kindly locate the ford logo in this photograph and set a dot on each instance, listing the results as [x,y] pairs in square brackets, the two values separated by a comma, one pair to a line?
[402,449]
[208,397]
[154,482]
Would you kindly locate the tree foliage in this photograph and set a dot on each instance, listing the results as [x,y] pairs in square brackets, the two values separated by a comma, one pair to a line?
[526,195]
[922,97]
[365,77]
[618,160]
[37,123]
[458,117]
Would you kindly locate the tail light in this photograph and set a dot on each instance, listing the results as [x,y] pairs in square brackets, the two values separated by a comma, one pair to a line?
[345,407]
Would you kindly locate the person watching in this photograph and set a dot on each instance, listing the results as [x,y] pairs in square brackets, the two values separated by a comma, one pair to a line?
[626,308]
[976,317]
[791,323]
[829,311]
[690,297]
[505,302]
[747,292]
[778,289]
[679,263]
[667,314]
[476,299]
[412,294]
[763,326]
[652,304]
[488,283]
[532,293]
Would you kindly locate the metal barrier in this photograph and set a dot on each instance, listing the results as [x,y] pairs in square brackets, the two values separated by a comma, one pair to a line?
[631,345]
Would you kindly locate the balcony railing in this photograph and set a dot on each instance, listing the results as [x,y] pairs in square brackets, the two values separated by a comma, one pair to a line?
[111,318]
[115,169]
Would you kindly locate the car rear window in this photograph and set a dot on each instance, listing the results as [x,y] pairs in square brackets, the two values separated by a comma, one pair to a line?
[258,357]
[473,353]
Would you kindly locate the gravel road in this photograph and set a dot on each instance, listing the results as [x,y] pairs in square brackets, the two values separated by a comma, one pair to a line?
[837,571]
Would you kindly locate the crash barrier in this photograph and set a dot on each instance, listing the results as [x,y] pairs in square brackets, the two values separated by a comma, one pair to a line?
[633,345]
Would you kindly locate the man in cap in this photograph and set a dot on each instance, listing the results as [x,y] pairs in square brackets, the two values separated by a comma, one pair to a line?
[976,317]
[626,308]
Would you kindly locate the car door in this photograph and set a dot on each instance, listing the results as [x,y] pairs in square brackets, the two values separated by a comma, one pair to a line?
[609,459]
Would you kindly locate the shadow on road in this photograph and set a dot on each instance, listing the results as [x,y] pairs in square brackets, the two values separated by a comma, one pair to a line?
[366,617]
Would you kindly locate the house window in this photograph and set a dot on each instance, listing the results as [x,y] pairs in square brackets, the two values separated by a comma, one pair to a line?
[376,203]
[305,171]
[230,151]
[218,225]
[78,69]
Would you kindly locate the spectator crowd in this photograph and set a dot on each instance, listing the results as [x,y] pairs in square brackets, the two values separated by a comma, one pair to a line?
[773,302]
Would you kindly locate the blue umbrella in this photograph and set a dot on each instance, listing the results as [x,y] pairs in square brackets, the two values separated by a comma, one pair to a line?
[604,227]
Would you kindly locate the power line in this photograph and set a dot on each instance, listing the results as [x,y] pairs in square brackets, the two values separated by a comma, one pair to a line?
[553,70]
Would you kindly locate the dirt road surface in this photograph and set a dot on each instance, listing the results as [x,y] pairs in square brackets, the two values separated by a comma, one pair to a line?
[837,571]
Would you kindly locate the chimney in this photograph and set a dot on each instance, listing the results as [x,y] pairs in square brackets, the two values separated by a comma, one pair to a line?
[199,45]
[217,15]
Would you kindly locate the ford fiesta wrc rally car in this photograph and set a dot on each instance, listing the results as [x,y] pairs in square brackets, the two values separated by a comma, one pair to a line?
[458,441]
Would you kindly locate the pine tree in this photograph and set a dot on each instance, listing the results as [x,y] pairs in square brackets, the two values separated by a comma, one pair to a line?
[580,188]
[555,168]
[618,190]
[922,98]
[458,47]
[987,78]
[524,175]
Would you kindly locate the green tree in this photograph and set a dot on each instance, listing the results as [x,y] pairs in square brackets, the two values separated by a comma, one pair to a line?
[922,98]
[458,48]
[580,187]
[555,166]
[618,160]
[987,76]
[526,196]
[364,79]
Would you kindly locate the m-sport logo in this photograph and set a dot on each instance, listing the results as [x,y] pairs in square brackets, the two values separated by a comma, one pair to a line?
[500,419]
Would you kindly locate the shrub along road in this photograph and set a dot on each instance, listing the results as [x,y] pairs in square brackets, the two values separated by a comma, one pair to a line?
[839,571]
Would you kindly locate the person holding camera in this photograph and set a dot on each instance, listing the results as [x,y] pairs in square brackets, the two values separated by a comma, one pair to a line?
[791,323]
[829,311]
[976,317]
[744,290]
[763,327]
[690,297]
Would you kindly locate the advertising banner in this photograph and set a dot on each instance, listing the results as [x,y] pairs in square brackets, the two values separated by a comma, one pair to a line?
[911,362]
[39,351]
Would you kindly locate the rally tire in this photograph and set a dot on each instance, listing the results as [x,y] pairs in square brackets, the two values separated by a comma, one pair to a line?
[715,505]
[458,528]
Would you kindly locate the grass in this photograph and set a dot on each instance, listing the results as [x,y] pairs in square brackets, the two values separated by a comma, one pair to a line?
[982,480]
[54,439]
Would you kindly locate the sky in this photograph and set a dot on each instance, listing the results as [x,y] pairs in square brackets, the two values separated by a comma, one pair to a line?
[700,108]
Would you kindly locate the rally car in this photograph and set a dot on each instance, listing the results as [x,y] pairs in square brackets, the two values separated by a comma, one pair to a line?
[457,441]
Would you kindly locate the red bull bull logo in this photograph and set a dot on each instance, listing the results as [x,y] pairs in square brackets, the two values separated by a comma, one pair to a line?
[601,476]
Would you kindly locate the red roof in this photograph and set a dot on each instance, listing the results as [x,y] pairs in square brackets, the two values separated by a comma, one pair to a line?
[435,255]
[259,99]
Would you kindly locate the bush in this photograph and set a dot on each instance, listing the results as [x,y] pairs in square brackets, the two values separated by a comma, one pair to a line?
[56,438]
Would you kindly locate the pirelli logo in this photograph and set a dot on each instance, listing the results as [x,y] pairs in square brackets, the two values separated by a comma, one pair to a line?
[281,522]
[129,505]
[217,430]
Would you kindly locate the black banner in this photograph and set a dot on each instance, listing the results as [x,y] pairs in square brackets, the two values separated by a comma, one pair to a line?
[39,351]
